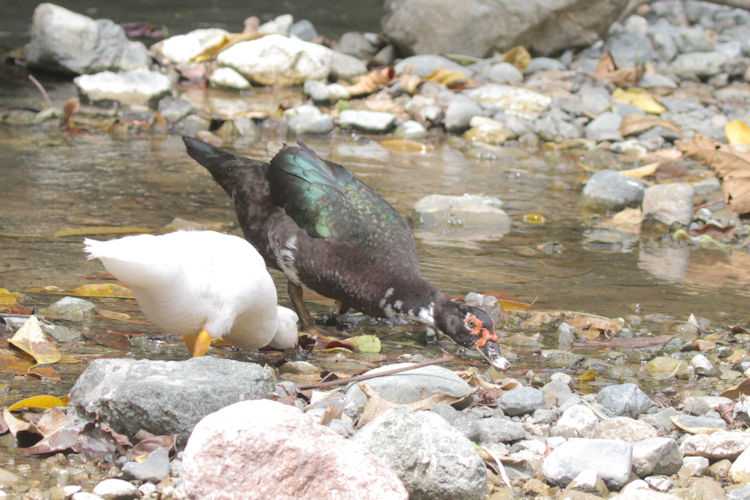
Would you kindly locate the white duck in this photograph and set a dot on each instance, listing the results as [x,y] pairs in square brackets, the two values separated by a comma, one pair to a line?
[202,285]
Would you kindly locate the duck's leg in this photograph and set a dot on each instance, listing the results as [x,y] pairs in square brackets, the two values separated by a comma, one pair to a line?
[198,344]
[295,294]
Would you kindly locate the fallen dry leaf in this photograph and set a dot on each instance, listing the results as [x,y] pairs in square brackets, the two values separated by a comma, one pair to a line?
[31,340]
[448,77]
[15,425]
[640,99]
[675,419]
[734,392]
[737,132]
[731,166]
[607,70]
[519,57]
[641,172]
[43,401]
[147,442]
[52,421]
[409,82]
[372,82]
[633,123]
[591,326]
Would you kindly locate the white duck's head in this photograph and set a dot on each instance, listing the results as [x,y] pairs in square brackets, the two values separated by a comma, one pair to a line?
[287,329]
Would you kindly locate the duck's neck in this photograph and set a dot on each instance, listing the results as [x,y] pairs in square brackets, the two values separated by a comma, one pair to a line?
[416,299]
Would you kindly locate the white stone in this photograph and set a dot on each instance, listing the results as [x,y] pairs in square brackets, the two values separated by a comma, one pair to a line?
[373,121]
[280,26]
[639,490]
[740,470]
[522,102]
[137,86]
[184,48]
[466,210]
[277,60]
[228,78]
[116,489]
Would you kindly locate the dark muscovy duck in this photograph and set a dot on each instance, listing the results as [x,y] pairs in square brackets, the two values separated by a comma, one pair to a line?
[324,229]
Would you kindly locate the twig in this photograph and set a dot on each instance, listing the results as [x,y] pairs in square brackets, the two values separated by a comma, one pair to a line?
[342,381]
[41,89]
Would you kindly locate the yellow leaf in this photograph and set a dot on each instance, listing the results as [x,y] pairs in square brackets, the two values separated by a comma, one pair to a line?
[31,340]
[7,298]
[640,99]
[94,230]
[405,146]
[43,401]
[447,76]
[366,343]
[519,57]
[643,171]
[102,290]
[589,375]
[737,132]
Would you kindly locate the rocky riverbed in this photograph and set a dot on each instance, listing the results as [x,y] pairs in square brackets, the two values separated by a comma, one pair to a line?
[639,109]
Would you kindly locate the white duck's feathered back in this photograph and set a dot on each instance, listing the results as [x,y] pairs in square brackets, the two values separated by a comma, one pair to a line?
[187,281]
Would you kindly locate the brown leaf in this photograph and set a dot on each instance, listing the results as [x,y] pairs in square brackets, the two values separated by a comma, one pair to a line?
[448,77]
[607,70]
[16,425]
[148,442]
[96,444]
[731,166]
[31,340]
[734,392]
[633,123]
[52,420]
[591,327]
[371,82]
[12,363]
[330,413]
[409,82]
[63,439]
[45,372]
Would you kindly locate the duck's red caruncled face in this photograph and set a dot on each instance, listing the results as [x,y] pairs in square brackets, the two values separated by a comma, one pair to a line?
[476,327]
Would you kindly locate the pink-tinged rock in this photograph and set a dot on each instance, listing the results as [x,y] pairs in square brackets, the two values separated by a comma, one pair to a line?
[264,449]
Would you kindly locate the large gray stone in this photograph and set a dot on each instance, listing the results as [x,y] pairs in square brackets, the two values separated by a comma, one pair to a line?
[64,41]
[624,400]
[480,27]
[521,401]
[138,86]
[164,397]
[611,459]
[611,190]
[434,460]
[657,455]
[669,204]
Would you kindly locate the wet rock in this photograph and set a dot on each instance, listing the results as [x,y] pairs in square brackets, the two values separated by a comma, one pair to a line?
[412,385]
[665,368]
[588,481]
[576,421]
[164,397]
[624,399]
[304,30]
[181,49]
[228,78]
[501,72]
[661,420]
[138,86]
[346,67]
[175,110]
[370,121]
[311,124]
[192,125]
[489,131]
[668,204]
[433,460]
[624,429]
[154,468]
[604,127]
[459,113]
[558,358]
[700,64]
[557,126]
[519,101]
[521,401]
[278,61]
[657,455]
[116,489]
[611,190]
[423,65]
[609,458]
[500,430]
[631,45]
[62,40]
[241,447]
[468,210]
[716,446]
[410,129]
[479,28]
[322,92]
[71,308]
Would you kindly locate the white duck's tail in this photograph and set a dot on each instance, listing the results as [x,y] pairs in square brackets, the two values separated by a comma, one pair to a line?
[134,260]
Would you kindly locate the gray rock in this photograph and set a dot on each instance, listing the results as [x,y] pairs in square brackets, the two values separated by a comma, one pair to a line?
[174,109]
[557,126]
[357,45]
[192,124]
[624,399]
[703,366]
[346,67]
[595,100]
[692,39]
[544,64]
[137,86]
[304,30]
[561,393]
[661,420]
[310,124]
[321,92]
[164,397]
[501,72]
[479,28]
[468,211]
[513,100]
[500,430]
[694,466]
[370,121]
[668,204]
[611,190]
[604,127]
[460,421]
[277,60]
[116,489]
[706,421]
[423,65]
[700,405]
[741,493]
[654,80]
[576,421]
[433,460]
[62,40]
[154,468]
[410,129]
[543,416]
[588,481]
[611,459]
[62,333]
[72,309]
[459,113]
[664,46]
[521,401]
[412,385]
[716,446]
[658,455]
[698,64]
[629,48]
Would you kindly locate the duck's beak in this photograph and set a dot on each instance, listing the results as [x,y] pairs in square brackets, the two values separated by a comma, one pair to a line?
[491,352]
